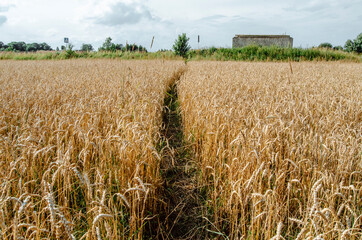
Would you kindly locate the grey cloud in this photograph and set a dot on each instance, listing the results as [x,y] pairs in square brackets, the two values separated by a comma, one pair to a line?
[3,19]
[122,14]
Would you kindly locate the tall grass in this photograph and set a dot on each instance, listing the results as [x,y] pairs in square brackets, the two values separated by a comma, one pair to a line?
[258,53]
[278,146]
[77,155]
[61,55]
[249,53]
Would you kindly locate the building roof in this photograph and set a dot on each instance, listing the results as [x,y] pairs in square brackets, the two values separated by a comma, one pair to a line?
[262,36]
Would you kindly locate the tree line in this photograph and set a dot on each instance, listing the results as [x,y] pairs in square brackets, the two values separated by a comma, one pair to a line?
[181,46]
[24,47]
[108,45]
[350,45]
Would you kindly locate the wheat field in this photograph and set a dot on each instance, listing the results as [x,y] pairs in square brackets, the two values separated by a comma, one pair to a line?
[278,147]
[77,147]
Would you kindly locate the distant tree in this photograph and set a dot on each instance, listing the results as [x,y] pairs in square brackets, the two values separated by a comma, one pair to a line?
[358,44]
[134,47]
[1,45]
[62,48]
[57,49]
[338,48]
[127,47]
[349,45]
[44,46]
[86,47]
[181,46]
[32,47]
[118,46]
[107,45]
[17,46]
[325,45]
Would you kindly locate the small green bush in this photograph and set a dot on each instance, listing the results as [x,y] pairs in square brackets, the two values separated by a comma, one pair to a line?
[181,46]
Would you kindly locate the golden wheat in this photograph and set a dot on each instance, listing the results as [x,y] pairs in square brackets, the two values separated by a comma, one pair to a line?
[278,147]
[279,151]
[74,135]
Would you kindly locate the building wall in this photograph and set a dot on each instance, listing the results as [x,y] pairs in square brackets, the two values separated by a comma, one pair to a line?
[264,40]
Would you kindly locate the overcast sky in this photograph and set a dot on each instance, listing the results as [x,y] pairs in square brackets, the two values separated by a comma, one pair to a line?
[309,22]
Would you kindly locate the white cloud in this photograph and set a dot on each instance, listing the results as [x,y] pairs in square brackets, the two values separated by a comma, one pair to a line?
[309,22]
[121,13]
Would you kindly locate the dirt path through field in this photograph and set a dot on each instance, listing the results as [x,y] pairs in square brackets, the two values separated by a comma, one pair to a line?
[182,218]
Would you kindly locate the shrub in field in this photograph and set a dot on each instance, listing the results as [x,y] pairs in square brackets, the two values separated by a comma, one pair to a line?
[181,45]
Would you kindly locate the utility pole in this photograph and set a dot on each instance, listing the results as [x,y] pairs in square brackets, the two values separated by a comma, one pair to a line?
[153,38]
[198,41]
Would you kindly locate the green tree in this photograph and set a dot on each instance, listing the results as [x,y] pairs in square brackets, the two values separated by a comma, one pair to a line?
[17,46]
[325,45]
[32,47]
[86,47]
[358,44]
[349,45]
[107,45]
[337,48]
[181,46]
[44,46]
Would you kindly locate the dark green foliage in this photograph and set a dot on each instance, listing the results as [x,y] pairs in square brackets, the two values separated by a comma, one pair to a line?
[325,45]
[339,48]
[45,47]
[24,47]
[32,47]
[17,46]
[358,44]
[354,46]
[134,47]
[112,47]
[86,47]
[181,46]
[349,45]
[107,45]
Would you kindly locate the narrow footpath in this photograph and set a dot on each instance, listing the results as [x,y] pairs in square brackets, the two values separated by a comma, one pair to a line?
[183,215]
